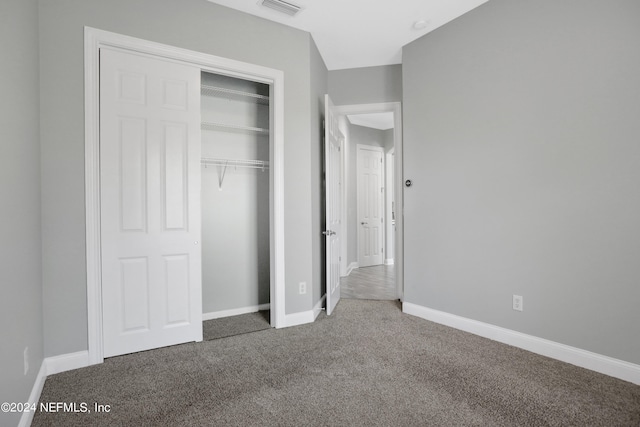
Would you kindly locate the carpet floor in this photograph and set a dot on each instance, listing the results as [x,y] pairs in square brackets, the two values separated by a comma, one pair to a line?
[235,325]
[368,364]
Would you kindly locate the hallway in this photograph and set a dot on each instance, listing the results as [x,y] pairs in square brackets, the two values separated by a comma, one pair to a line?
[377,282]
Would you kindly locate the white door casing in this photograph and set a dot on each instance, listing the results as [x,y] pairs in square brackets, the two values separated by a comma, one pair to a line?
[150,210]
[389,207]
[95,40]
[333,196]
[370,195]
[398,195]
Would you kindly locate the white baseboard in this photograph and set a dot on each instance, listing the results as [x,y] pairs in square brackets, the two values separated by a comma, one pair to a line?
[300,318]
[235,311]
[51,366]
[66,362]
[389,261]
[303,317]
[318,307]
[34,397]
[585,359]
[351,267]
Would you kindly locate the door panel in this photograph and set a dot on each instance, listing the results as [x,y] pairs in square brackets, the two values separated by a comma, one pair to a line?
[333,179]
[134,291]
[174,147]
[370,206]
[150,202]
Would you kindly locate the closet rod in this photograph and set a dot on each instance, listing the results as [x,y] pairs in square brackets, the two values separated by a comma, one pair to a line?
[235,163]
[253,164]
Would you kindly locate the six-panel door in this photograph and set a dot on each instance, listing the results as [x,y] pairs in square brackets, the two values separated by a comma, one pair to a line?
[150,202]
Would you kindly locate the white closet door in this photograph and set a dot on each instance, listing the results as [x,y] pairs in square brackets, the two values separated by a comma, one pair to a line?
[370,206]
[333,179]
[150,202]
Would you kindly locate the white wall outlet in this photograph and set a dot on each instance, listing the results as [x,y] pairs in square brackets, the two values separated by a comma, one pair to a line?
[303,288]
[518,303]
[26,360]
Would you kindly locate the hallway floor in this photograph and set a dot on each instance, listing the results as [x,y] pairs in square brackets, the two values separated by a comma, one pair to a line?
[376,282]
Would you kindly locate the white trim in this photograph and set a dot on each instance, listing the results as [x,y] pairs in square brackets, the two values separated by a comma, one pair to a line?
[396,108]
[94,40]
[351,267]
[344,185]
[66,362]
[389,239]
[34,397]
[317,309]
[51,366]
[235,311]
[389,261]
[596,362]
[344,229]
[300,318]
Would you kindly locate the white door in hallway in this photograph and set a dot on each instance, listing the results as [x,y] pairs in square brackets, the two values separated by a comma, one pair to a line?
[333,142]
[150,202]
[370,196]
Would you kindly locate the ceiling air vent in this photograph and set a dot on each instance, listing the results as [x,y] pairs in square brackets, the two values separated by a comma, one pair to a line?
[282,6]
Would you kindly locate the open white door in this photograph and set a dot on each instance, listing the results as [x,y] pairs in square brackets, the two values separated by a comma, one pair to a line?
[370,206]
[150,202]
[333,178]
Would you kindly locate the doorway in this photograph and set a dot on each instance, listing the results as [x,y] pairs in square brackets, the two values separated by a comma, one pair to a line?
[373,131]
[95,41]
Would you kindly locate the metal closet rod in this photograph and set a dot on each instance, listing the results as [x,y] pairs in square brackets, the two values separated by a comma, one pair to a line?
[253,164]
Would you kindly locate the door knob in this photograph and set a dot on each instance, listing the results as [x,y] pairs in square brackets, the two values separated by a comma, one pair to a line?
[364,223]
[329,233]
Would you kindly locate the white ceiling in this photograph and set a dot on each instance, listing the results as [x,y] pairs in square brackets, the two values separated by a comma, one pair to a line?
[361,33]
[382,121]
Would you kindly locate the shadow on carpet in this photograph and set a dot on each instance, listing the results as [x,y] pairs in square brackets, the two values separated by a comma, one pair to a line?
[235,325]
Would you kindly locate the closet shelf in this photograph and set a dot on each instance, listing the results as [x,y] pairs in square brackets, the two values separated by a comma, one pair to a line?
[208,90]
[218,126]
[241,163]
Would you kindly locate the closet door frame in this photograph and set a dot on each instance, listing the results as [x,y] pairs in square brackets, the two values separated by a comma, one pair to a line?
[94,39]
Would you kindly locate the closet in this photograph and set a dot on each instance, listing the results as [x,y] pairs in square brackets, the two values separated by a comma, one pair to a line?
[234,195]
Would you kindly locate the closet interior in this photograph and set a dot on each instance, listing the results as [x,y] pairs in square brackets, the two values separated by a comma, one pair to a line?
[235,194]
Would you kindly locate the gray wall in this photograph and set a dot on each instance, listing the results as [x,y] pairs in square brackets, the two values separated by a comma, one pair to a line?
[366,85]
[21,301]
[198,25]
[389,143]
[521,136]
[319,87]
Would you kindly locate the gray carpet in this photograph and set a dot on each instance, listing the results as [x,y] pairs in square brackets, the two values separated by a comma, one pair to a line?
[366,365]
[235,325]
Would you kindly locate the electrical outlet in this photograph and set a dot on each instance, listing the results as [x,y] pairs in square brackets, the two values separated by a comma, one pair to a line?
[303,288]
[26,360]
[518,303]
